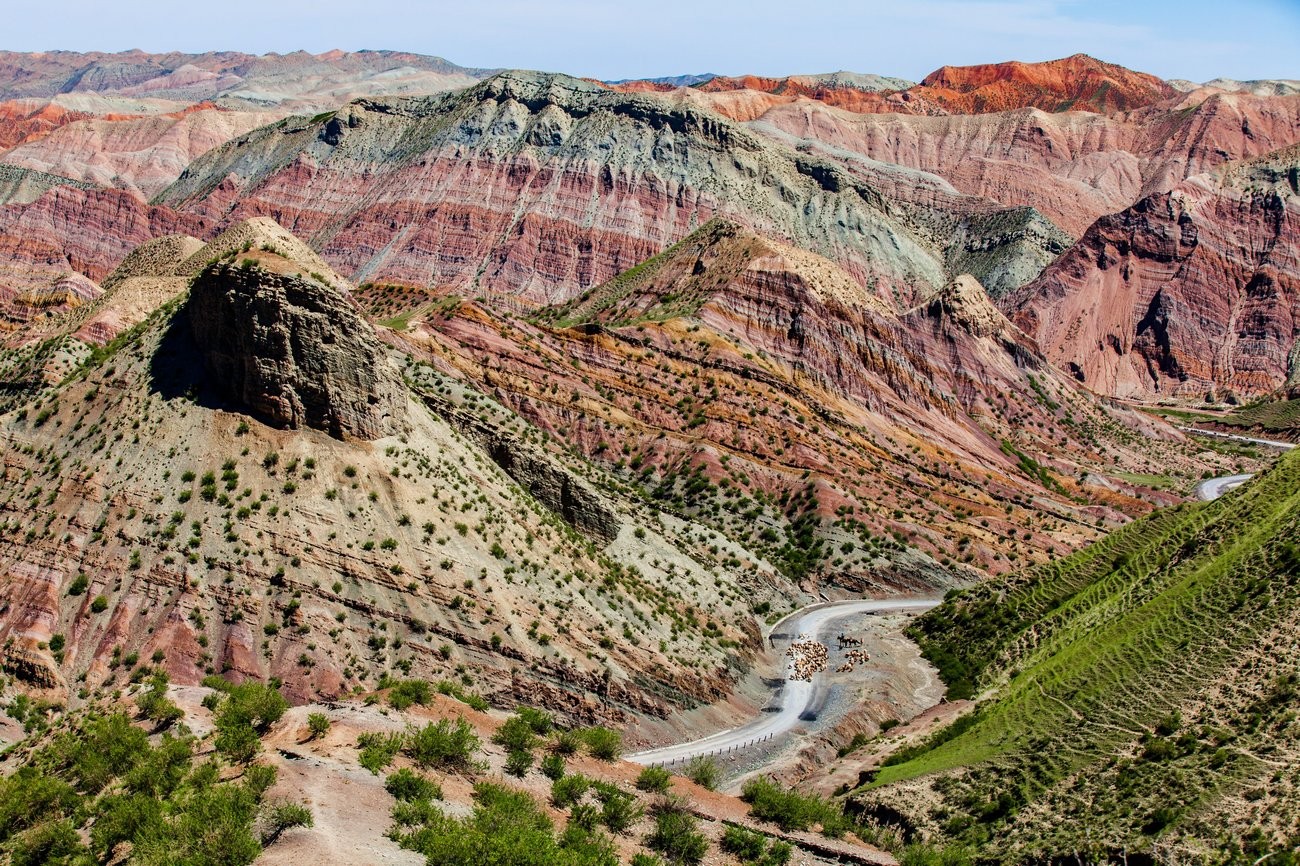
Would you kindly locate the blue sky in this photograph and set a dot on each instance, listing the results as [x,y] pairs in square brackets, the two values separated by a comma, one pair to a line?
[1194,39]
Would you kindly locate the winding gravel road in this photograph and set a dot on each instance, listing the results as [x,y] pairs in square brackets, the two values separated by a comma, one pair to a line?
[793,698]
[1213,488]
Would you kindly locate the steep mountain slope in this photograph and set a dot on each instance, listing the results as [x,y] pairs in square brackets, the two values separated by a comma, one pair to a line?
[147,513]
[1186,292]
[72,233]
[760,389]
[1135,698]
[540,186]
[1074,167]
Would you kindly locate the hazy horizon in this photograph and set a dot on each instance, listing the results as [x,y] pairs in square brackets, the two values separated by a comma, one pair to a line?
[1193,40]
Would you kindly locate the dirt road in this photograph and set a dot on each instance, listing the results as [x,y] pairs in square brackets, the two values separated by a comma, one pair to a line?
[793,697]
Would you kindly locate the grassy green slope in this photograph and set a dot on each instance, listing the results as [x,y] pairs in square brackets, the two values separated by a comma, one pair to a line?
[1132,695]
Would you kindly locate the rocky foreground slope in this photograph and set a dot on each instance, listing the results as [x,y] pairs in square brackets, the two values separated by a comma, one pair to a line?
[150,512]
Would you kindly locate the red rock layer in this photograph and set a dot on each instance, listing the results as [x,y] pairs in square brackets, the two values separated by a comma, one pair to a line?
[1187,292]
[24,120]
[1076,83]
[1073,167]
[540,186]
[86,232]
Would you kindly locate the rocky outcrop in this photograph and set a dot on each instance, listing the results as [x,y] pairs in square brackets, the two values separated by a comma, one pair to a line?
[294,351]
[1187,292]
[545,479]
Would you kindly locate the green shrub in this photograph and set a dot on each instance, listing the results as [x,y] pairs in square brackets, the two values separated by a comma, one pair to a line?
[788,809]
[378,750]
[619,809]
[553,766]
[703,771]
[566,742]
[654,780]
[407,786]
[516,734]
[154,704]
[566,791]
[744,844]
[507,827]
[603,743]
[540,721]
[79,585]
[403,693]
[444,744]
[677,837]
[318,724]
[518,763]
[99,604]
[283,816]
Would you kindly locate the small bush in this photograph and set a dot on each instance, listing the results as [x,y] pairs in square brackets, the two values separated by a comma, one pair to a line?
[378,750]
[744,844]
[553,766]
[603,743]
[654,780]
[518,763]
[281,817]
[703,771]
[409,786]
[516,734]
[444,744]
[677,837]
[568,790]
[540,721]
[318,724]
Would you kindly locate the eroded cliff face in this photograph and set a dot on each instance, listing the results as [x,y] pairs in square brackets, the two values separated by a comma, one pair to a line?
[1074,167]
[1186,293]
[294,351]
[540,186]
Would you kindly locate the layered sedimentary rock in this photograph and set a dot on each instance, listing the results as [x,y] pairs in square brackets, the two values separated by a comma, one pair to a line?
[1076,83]
[1185,293]
[298,78]
[79,234]
[141,155]
[293,349]
[29,119]
[542,185]
[760,387]
[1074,167]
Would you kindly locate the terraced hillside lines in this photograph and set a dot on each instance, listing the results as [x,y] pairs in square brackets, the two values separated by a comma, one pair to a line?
[1091,665]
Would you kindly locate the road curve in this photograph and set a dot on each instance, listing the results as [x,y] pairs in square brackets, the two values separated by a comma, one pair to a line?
[791,699]
[1215,434]
[1213,488]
